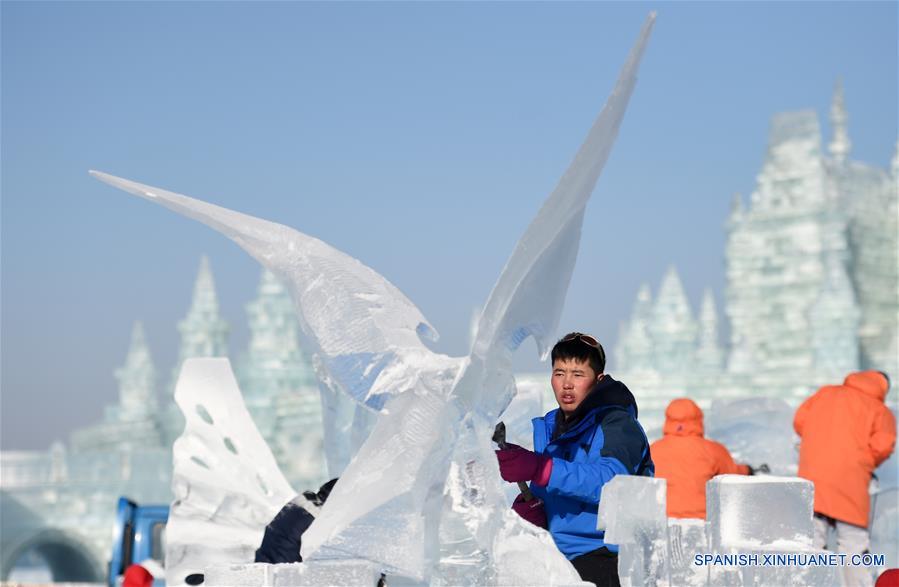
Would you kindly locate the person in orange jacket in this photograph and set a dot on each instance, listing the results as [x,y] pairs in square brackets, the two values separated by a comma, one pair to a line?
[846,431]
[687,460]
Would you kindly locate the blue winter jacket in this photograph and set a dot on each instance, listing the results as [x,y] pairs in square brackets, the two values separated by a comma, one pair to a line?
[601,439]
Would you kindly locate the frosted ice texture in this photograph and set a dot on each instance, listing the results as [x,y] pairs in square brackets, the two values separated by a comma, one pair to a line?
[687,537]
[634,350]
[885,525]
[755,431]
[776,250]
[759,516]
[309,574]
[226,483]
[835,318]
[672,327]
[751,512]
[366,336]
[709,356]
[763,515]
[632,512]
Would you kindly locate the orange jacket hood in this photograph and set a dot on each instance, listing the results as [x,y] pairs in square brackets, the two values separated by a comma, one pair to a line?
[873,383]
[683,418]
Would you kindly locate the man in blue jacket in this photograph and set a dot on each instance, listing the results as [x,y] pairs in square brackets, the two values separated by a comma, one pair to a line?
[592,436]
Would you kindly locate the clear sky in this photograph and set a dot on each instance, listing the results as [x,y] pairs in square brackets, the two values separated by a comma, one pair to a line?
[420,138]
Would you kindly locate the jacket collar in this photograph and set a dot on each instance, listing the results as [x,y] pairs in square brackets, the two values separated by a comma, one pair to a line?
[607,393]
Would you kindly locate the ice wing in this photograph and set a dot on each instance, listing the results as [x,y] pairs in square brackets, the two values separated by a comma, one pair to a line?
[390,502]
[225,482]
[358,323]
[528,297]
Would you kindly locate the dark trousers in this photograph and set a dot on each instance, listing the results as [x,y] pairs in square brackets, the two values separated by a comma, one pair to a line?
[598,566]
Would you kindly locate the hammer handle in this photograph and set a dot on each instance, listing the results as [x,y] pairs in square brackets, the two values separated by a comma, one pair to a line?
[499,436]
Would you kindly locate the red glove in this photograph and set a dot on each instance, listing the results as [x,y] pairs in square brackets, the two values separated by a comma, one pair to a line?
[532,511]
[520,464]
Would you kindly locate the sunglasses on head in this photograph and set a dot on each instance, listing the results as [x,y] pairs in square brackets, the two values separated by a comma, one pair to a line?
[584,338]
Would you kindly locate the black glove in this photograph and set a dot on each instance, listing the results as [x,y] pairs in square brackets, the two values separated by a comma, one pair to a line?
[763,468]
[321,496]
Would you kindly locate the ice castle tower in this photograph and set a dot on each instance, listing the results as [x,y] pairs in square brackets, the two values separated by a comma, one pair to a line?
[672,327]
[279,387]
[132,423]
[776,249]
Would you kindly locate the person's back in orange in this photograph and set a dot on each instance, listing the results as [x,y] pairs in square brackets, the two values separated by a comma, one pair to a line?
[846,431]
[686,460]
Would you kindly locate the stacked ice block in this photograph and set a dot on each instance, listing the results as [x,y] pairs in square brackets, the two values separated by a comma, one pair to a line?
[745,515]
[632,513]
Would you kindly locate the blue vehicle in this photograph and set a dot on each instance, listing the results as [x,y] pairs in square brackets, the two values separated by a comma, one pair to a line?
[139,535]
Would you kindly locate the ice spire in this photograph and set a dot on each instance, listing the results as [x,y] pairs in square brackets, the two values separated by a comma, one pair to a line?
[204,333]
[137,379]
[840,143]
[634,349]
[672,327]
[709,357]
[736,208]
[894,164]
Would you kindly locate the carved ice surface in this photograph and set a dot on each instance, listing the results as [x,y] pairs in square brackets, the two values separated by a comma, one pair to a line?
[632,513]
[761,511]
[343,573]
[687,537]
[226,483]
[397,505]
[630,504]
[741,509]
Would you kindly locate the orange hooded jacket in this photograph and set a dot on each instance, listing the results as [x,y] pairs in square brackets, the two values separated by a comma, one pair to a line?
[846,431]
[687,460]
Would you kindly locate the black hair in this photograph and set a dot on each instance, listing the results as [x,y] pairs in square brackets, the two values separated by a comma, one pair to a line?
[887,377]
[571,346]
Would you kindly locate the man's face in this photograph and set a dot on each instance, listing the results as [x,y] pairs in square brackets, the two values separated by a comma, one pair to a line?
[572,380]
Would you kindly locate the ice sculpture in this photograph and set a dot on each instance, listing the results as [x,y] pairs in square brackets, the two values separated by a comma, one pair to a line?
[226,483]
[427,469]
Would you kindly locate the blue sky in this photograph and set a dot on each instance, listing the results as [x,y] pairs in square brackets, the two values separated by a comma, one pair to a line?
[420,138]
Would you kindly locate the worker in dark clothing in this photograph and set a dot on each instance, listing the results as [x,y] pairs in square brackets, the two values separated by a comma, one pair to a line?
[282,539]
